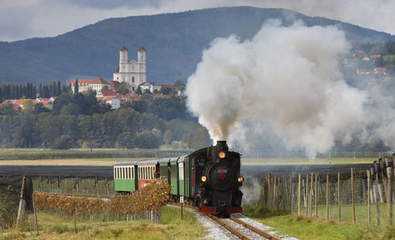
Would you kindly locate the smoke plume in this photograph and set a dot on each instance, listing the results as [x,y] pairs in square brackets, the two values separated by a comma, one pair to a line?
[286,79]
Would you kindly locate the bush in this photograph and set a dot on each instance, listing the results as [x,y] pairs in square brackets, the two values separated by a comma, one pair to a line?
[64,142]
[147,139]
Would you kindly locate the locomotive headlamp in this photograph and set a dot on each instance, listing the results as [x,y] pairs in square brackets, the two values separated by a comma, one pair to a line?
[222,155]
[240,179]
[204,178]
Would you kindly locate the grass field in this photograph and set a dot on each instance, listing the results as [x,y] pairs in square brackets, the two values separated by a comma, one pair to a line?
[319,228]
[53,226]
[67,162]
[304,161]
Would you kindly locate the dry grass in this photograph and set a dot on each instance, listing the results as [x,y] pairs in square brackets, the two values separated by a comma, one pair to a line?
[66,162]
[302,161]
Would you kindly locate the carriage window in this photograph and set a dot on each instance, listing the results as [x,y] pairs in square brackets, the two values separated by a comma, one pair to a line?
[115,172]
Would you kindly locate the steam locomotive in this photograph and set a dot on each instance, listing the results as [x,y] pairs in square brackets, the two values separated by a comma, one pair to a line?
[209,178]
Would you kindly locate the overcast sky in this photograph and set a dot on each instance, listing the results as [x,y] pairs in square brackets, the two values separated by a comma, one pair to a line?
[21,19]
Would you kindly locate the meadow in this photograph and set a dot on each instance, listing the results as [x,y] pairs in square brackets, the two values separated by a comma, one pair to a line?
[54,226]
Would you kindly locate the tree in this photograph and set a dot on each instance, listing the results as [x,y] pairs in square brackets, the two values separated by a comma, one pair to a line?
[147,139]
[76,87]
[126,140]
[63,142]
[122,88]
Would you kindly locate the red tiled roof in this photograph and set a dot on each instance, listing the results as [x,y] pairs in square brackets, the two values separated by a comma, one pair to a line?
[161,96]
[108,92]
[380,69]
[98,80]
[167,85]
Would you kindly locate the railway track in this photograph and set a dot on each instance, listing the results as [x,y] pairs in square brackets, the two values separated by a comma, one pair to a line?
[241,229]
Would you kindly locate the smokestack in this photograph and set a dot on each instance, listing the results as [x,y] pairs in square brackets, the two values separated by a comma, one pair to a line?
[222,146]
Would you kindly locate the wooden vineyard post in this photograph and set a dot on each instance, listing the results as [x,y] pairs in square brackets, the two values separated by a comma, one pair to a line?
[274,204]
[22,204]
[316,195]
[306,195]
[327,197]
[376,187]
[352,196]
[265,186]
[339,210]
[368,193]
[299,183]
[311,195]
[268,191]
[389,197]
[284,193]
[290,193]
[35,221]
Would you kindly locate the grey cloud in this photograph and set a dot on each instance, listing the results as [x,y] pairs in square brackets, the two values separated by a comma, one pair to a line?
[33,18]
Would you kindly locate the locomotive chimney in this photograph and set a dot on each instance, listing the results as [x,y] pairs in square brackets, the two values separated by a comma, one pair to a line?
[222,146]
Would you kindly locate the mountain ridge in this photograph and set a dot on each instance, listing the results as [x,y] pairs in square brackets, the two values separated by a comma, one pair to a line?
[174,43]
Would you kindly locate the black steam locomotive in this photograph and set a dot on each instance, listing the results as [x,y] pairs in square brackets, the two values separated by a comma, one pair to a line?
[219,172]
[209,178]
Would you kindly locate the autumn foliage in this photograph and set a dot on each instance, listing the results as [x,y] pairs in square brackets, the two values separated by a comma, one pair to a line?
[151,197]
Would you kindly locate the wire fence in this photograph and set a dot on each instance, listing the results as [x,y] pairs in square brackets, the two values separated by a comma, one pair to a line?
[364,196]
[75,185]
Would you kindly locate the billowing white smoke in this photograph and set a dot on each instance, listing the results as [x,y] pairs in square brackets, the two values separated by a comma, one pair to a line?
[251,190]
[286,79]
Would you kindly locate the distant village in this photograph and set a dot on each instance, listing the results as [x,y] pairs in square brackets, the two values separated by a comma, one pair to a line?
[367,65]
[128,84]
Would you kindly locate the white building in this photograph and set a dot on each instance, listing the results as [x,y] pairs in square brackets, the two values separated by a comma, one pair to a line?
[150,87]
[85,85]
[113,101]
[133,72]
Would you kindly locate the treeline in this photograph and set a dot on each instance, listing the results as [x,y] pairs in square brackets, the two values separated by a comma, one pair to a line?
[81,121]
[28,90]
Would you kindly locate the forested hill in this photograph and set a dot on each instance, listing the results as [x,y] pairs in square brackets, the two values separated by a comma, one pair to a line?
[174,43]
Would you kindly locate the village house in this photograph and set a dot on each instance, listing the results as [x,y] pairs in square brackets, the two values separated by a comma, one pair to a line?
[84,85]
[18,104]
[113,101]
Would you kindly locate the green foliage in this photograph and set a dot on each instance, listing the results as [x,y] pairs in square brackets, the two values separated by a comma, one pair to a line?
[147,139]
[63,142]
[122,88]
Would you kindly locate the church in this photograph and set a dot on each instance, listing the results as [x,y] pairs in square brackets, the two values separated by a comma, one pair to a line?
[132,72]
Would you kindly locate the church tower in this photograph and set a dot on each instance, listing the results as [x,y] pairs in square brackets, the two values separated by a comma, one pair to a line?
[141,53]
[133,72]
[123,59]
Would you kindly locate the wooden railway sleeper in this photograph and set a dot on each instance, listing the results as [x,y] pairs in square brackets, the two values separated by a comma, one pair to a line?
[252,228]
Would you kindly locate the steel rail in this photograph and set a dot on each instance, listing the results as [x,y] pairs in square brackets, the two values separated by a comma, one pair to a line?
[252,228]
[229,228]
